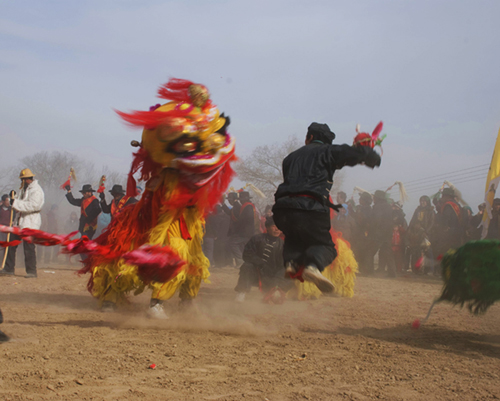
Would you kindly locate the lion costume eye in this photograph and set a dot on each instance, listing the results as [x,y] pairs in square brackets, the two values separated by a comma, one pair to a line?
[186,145]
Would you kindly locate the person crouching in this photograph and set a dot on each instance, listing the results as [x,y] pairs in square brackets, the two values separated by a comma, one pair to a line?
[263,265]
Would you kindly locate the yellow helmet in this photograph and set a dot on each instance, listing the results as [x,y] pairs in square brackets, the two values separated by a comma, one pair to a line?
[26,173]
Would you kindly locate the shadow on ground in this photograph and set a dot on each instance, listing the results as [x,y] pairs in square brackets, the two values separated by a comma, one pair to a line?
[428,337]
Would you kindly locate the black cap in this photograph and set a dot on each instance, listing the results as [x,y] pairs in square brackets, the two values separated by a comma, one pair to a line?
[380,194]
[365,195]
[244,195]
[117,189]
[87,188]
[449,192]
[321,132]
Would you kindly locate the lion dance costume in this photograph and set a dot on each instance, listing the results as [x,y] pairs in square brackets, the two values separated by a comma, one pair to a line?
[184,157]
[471,276]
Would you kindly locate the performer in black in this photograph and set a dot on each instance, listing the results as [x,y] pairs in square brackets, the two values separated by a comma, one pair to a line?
[89,207]
[303,200]
[263,262]
[120,200]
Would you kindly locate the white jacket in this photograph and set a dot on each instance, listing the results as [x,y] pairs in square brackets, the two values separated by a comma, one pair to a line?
[28,205]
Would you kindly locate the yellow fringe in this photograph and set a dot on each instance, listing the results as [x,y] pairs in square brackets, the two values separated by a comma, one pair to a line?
[113,281]
[342,273]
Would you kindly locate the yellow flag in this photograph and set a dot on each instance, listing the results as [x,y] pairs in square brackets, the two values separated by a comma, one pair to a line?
[491,186]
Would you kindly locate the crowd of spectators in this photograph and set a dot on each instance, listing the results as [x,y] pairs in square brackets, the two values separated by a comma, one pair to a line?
[384,241]
[378,225]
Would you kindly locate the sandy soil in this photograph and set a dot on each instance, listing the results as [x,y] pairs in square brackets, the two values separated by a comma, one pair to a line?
[362,348]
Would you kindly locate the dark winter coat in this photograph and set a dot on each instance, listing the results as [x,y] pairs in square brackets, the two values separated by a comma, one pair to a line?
[381,223]
[92,211]
[269,265]
[108,208]
[308,174]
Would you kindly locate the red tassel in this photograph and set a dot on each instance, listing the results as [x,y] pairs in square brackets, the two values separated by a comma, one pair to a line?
[298,275]
[66,183]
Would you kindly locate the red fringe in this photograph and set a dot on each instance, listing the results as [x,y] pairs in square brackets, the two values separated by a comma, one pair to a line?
[148,168]
[206,197]
[5,244]
[130,229]
[151,119]
[155,263]
[175,89]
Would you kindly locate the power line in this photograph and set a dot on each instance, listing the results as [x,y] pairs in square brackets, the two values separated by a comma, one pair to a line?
[450,177]
[457,181]
[447,174]
[431,189]
[444,176]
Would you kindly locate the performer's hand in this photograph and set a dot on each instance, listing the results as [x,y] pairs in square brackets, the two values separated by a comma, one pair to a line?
[102,196]
[68,188]
[372,159]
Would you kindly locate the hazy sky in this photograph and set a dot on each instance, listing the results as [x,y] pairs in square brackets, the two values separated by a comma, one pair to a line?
[428,69]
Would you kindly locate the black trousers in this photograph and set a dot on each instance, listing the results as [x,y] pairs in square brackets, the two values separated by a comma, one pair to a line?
[385,256]
[29,256]
[307,237]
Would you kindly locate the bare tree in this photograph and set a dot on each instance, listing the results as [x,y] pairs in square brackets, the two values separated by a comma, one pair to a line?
[8,179]
[263,168]
[51,168]
[114,177]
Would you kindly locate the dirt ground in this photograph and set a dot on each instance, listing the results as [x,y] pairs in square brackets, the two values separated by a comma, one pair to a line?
[64,348]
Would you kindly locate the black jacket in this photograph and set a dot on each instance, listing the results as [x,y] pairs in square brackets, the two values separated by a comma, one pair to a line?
[107,208]
[309,171]
[381,223]
[92,211]
[270,265]
[233,213]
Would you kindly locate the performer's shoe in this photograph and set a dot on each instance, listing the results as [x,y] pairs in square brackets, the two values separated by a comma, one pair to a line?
[4,337]
[108,307]
[31,275]
[289,270]
[240,297]
[4,272]
[311,273]
[157,312]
